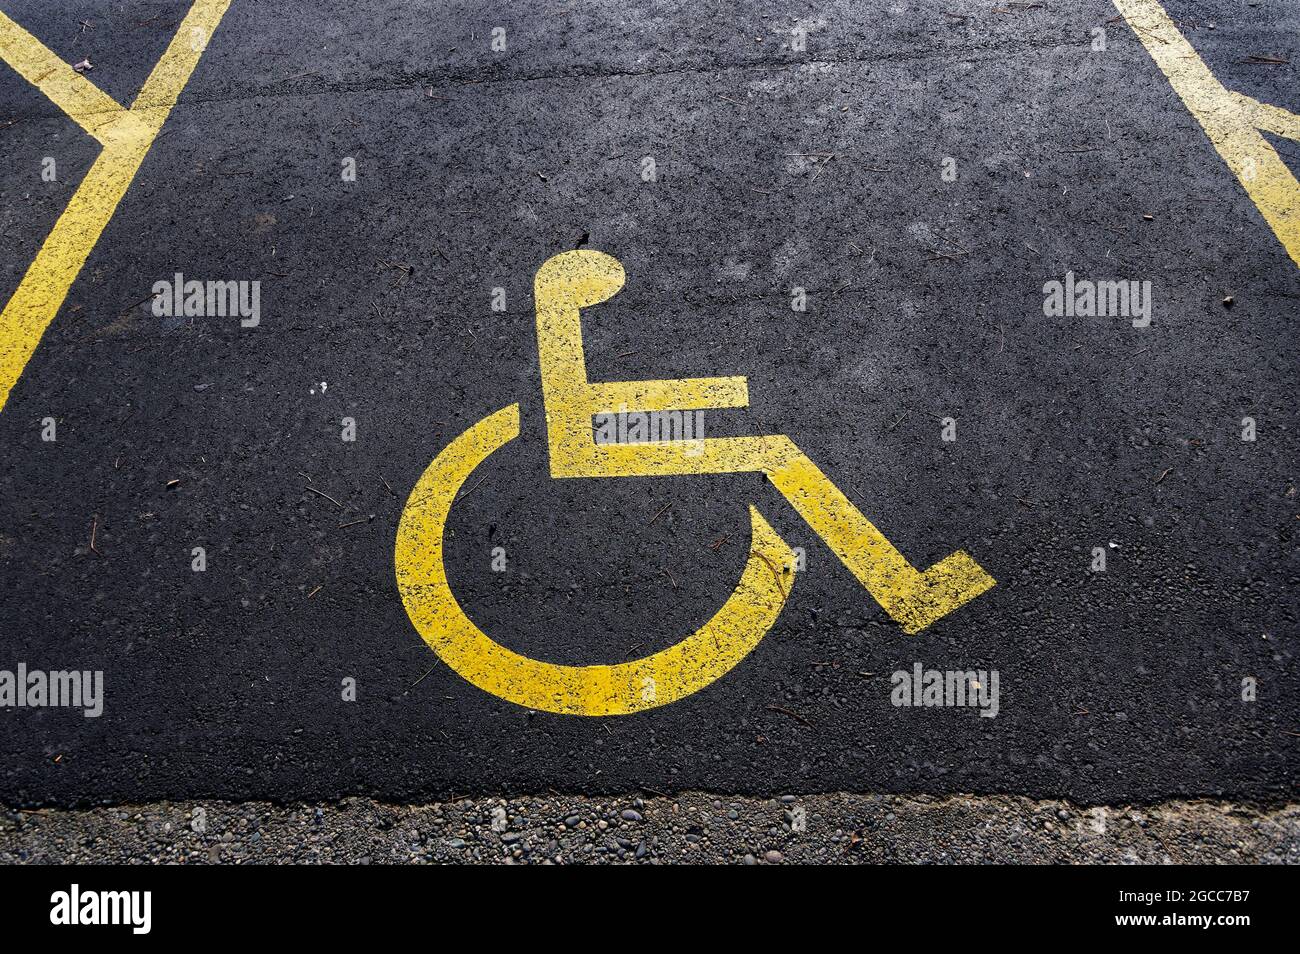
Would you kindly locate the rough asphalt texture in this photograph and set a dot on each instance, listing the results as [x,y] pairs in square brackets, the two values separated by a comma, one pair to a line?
[925,302]
[692,828]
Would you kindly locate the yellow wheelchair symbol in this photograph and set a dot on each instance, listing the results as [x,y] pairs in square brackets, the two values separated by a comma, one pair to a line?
[564,285]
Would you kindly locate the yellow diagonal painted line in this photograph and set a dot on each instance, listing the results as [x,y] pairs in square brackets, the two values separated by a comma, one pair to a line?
[1232,121]
[172,72]
[126,135]
[85,103]
[1271,118]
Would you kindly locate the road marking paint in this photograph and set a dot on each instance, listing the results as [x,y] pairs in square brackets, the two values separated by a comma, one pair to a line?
[663,677]
[563,286]
[1232,121]
[84,102]
[126,135]
[571,281]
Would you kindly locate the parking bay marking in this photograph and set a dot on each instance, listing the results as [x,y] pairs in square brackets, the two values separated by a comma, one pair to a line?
[1231,120]
[126,135]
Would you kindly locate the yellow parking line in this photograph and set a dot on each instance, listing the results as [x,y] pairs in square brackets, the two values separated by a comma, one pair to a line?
[126,135]
[84,102]
[1231,120]
[172,72]
[1271,118]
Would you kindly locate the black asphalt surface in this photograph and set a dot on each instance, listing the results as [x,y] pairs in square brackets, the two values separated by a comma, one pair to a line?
[925,302]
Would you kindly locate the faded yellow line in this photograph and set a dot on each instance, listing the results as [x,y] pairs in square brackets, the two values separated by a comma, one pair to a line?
[127,136]
[1272,119]
[1232,121]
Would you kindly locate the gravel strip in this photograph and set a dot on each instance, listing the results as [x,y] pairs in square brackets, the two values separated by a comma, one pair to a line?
[692,827]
